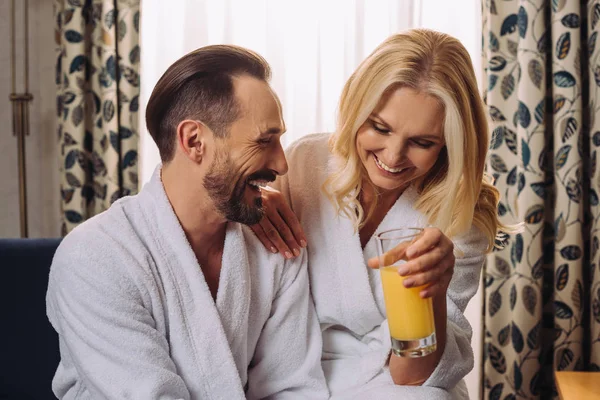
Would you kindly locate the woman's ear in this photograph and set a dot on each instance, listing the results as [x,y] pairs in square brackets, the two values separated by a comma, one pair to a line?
[192,137]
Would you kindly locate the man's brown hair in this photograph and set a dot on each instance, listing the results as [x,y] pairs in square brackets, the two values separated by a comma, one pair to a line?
[199,86]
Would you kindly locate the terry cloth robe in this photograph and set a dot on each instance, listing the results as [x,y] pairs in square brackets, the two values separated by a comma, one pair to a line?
[136,319]
[348,295]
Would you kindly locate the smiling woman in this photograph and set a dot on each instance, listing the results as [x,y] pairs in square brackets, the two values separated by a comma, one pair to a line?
[407,117]
[398,145]
[412,89]
[401,143]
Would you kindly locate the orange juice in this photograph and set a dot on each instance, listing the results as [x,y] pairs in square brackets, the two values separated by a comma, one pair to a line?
[410,317]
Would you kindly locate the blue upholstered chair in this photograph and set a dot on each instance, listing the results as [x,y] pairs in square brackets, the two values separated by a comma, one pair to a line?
[29,351]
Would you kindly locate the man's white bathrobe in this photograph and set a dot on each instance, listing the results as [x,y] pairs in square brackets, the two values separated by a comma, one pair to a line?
[136,319]
[348,295]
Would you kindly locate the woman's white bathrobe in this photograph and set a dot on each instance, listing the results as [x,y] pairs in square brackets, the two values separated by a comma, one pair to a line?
[136,319]
[348,295]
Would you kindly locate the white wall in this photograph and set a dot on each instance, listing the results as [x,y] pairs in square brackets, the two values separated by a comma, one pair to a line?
[41,146]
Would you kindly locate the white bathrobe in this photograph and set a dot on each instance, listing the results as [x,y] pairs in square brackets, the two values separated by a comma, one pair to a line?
[348,295]
[136,319]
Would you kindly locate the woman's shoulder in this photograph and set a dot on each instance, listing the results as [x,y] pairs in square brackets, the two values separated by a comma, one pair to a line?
[471,243]
[314,145]
[308,158]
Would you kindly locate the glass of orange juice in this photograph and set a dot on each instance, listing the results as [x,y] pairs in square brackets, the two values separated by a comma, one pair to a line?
[410,317]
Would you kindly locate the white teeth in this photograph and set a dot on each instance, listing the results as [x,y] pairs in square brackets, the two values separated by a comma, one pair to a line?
[388,169]
[258,184]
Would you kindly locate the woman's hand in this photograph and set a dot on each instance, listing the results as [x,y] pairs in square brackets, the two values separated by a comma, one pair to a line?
[431,265]
[430,262]
[279,230]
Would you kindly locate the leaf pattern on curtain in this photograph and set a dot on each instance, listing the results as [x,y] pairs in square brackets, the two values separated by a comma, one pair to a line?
[539,309]
[592,21]
[97,77]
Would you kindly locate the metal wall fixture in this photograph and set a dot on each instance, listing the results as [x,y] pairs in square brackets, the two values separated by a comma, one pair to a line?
[20,107]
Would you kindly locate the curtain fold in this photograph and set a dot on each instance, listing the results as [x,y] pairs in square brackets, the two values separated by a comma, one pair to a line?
[542,291]
[97,78]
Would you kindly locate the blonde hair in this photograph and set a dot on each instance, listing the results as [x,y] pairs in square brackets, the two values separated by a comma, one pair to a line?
[436,64]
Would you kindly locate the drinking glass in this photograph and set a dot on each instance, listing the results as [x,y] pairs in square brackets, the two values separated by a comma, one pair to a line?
[410,317]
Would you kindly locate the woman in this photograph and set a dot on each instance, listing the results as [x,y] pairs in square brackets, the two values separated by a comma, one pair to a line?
[409,150]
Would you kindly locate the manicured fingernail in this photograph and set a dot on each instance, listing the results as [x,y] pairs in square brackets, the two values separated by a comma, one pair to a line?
[410,252]
[303,243]
[296,252]
[403,271]
[288,254]
[408,283]
[273,250]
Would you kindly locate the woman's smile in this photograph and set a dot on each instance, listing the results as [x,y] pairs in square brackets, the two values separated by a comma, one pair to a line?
[387,170]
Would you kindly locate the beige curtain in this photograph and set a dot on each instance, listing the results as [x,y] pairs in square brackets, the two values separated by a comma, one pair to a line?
[542,292]
[97,104]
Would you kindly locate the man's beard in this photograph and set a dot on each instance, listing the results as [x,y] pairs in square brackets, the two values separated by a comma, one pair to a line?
[230,202]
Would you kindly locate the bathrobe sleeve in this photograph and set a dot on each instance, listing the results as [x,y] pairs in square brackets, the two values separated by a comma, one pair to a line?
[98,304]
[287,359]
[458,359]
[301,161]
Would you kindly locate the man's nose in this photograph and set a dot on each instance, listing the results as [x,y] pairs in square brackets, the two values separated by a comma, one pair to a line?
[278,163]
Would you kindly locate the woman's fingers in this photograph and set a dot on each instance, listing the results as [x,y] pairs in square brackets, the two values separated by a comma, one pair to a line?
[283,238]
[293,228]
[260,234]
[430,238]
[373,262]
[426,262]
[390,257]
[429,277]
[430,262]
[438,288]
[272,234]
[279,230]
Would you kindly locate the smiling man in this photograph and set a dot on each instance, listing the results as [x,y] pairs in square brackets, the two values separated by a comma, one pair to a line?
[168,294]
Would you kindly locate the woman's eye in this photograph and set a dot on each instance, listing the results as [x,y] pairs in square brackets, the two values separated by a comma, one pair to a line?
[379,129]
[264,141]
[423,145]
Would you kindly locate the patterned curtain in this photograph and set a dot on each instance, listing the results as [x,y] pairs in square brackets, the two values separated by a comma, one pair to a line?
[542,292]
[97,103]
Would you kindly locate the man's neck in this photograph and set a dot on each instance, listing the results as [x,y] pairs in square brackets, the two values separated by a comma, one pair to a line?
[204,227]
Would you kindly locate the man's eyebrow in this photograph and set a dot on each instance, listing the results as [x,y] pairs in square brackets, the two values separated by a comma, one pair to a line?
[273,131]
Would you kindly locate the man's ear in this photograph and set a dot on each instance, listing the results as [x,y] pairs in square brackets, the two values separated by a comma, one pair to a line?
[192,138]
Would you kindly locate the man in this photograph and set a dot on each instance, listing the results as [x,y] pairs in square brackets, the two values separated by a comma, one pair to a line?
[166,295]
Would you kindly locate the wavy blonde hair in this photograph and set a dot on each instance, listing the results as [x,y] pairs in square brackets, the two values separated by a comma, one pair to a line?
[436,64]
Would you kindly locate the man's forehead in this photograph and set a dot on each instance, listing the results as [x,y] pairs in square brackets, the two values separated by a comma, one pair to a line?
[259,103]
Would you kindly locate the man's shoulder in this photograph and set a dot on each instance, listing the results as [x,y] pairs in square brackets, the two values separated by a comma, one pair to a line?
[97,230]
[272,263]
[257,250]
[99,243]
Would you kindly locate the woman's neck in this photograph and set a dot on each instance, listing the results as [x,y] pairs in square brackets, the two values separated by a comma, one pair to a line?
[369,195]
[385,199]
